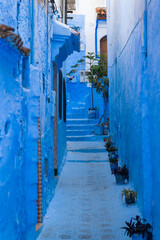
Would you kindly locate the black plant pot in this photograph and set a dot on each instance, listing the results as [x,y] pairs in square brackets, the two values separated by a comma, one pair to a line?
[130,200]
[138,237]
[119,179]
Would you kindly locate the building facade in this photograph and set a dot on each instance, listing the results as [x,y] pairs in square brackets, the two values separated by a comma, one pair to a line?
[90,20]
[33,51]
[133,59]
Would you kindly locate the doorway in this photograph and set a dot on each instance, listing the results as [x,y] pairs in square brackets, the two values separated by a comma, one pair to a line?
[103,46]
[55,125]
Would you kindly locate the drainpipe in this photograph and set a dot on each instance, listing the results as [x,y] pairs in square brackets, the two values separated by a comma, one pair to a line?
[146,151]
[65,16]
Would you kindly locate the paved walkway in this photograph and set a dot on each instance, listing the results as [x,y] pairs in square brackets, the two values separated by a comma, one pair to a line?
[87,202]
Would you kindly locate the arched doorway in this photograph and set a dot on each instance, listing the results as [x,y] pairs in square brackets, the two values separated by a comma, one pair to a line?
[55,121]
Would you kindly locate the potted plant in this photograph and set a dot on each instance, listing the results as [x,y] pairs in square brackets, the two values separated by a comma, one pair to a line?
[108,144]
[106,128]
[113,163]
[138,229]
[96,73]
[112,149]
[130,195]
[121,174]
[113,154]
[92,113]
[101,129]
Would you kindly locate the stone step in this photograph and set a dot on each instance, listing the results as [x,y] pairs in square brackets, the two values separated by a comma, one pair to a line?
[85,138]
[80,126]
[79,132]
[81,121]
[77,110]
[82,104]
[76,115]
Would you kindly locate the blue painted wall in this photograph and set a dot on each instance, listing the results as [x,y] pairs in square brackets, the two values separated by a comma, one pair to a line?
[79,93]
[12,136]
[26,93]
[133,47]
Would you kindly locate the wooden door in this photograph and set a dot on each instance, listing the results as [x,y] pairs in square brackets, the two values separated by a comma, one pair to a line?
[103,46]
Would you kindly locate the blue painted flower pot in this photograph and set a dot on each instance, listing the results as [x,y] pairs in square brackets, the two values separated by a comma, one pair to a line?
[138,237]
[119,179]
[112,155]
[92,114]
[113,166]
[98,130]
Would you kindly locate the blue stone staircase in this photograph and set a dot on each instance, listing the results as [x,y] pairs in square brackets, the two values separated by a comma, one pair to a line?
[79,127]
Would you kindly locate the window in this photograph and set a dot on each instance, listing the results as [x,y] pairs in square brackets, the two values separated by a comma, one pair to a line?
[83,76]
[71,5]
[82,48]
[25,73]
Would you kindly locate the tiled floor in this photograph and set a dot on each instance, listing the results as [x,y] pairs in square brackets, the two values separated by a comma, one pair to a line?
[87,202]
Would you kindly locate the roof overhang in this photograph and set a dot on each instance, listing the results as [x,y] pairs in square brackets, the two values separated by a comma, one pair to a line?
[64,42]
[14,40]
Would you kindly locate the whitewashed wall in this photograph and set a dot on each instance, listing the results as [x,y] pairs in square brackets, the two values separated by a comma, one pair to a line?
[88,8]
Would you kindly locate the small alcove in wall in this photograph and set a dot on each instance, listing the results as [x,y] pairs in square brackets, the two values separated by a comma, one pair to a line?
[25,72]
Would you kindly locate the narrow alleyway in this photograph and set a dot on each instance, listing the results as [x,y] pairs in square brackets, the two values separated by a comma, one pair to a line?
[87,202]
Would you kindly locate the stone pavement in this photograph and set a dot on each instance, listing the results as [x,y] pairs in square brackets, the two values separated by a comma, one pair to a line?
[87,203]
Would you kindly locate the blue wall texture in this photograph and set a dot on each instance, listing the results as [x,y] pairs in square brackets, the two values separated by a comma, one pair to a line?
[26,95]
[134,72]
[78,92]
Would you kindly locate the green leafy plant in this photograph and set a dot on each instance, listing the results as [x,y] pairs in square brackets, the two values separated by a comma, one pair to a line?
[138,226]
[112,149]
[130,195]
[113,160]
[97,76]
[123,171]
[108,145]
